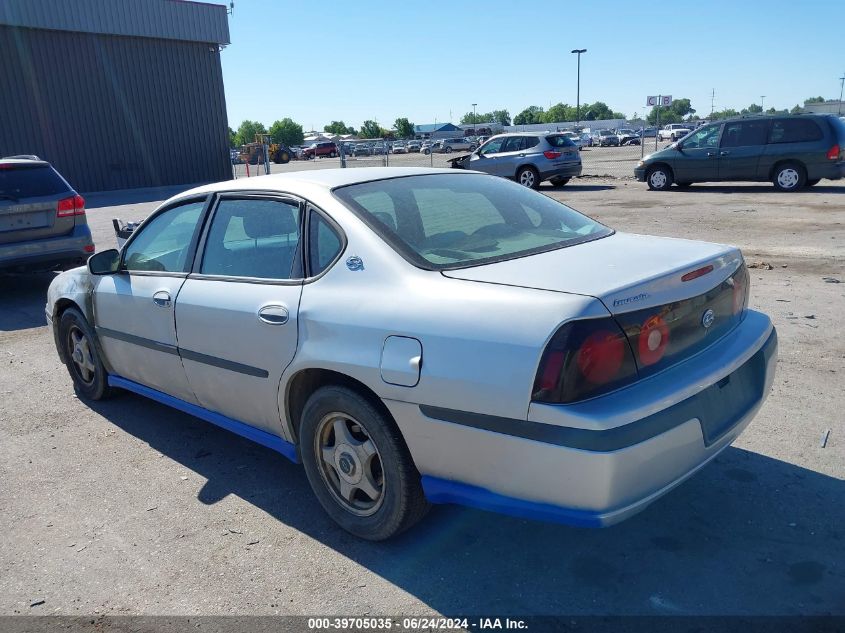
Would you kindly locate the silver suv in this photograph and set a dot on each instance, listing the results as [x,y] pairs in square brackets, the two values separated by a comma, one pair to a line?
[527,158]
[449,145]
[42,219]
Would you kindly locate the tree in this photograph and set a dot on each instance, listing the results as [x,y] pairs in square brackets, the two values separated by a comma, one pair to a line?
[502,117]
[287,132]
[796,109]
[815,100]
[529,116]
[558,112]
[338,127]
[232,137]
[404,128]
[723,114]
[247,131]
[754,108]
[370,129]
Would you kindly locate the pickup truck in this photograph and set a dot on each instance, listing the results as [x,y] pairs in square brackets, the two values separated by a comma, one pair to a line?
[673,132]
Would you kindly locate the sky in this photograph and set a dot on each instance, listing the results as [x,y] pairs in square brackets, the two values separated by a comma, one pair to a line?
[320,61]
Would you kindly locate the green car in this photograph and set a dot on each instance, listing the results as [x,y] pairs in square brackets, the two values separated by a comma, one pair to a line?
[791,151]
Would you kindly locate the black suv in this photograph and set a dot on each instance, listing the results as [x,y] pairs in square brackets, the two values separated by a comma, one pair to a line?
[791,151]
[42,219]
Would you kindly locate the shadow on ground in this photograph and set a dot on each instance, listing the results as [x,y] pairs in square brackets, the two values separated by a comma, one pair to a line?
[101,199]
[747,535]
[575,186]
[746,189]
[22,299]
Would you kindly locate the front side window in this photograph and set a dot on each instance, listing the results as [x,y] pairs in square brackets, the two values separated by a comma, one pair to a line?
[253,238]
[493,146]
[457,220]
[707,136]
[164,243]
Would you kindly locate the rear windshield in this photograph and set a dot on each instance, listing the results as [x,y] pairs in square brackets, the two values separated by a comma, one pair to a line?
[560,141]
[443,221]
[27,181]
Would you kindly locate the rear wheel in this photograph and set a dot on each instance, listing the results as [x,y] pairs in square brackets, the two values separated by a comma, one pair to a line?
[659,178]
[448,149]
[789,177]
[358,465]
[333,155]
[81,356]
[559,181]
[528,177]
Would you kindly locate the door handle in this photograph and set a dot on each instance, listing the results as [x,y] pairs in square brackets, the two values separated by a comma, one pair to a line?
[711,154]
[162,299]
[723,153]
[273,314]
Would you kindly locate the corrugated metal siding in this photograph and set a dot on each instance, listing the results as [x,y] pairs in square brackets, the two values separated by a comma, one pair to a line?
[165,19]
[114,112]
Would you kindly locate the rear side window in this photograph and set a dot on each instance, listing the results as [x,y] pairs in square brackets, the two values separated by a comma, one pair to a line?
[323,243]
[560,141]
[745,133]
[253,238]
[28,181]
[795,131]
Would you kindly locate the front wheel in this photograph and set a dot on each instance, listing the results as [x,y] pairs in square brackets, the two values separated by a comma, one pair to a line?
[528,177]
[789,177]
[81,356]
[659,178]
[358,465]
[448,149]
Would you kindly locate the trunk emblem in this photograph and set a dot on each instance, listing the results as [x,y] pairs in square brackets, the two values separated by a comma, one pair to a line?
[707,318]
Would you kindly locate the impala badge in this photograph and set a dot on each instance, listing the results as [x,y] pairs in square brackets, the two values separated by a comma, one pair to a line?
[355,263]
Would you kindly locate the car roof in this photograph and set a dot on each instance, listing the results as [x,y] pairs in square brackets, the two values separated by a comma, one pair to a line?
[323,178]
[22,161]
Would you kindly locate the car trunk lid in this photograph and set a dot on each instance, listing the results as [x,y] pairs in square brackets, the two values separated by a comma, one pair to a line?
[30,192]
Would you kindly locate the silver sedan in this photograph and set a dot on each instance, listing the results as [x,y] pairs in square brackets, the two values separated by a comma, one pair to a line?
[418,336]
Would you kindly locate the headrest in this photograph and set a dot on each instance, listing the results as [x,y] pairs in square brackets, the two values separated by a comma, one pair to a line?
[266,223]
[386,219]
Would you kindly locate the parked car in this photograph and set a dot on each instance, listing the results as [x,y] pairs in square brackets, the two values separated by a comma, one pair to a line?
[790,151]
[320,150]
[576,139]
[673,132]
[379,148]
[362,149]
[42,218]
[235,156]
[426,147]
[399,147]
[607,138]
[628,137]
[413,146]
[648,132]
[449,145]
[527,158]
[625,373]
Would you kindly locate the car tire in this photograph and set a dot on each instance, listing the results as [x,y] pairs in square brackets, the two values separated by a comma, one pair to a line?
[82,357]
[659,178]
[528,177]
[789,177]
[559,181]
[447,149]
[344,438]
[813,182]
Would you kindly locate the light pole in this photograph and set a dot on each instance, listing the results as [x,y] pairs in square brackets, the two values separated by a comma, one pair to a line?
[762,101]
[578,52]
[841,86]
[474,121]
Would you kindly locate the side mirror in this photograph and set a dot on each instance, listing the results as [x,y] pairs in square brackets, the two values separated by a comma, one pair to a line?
[104,263]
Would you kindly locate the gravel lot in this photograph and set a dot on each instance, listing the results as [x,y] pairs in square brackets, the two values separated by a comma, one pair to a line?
[127,507]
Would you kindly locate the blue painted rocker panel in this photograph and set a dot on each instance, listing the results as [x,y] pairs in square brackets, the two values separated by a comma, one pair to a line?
[264,438]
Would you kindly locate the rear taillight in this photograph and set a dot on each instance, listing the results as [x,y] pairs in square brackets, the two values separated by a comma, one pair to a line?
[740,282]
[551,154]
[653,340]
[833,153]
[74,205]
[584,359]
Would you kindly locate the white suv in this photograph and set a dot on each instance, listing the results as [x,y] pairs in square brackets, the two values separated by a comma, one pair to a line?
[673,132]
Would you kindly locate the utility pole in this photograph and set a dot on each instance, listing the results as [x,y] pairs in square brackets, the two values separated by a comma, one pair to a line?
[712,101]
[841,86]
[762,100]
[474,121]
[578,52]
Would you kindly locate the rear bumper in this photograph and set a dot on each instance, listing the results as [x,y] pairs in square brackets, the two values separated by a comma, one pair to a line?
[831,171]
[54,252]
[598,462]
[566,170]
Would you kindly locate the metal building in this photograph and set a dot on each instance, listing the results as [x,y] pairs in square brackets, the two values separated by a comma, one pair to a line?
[116,93]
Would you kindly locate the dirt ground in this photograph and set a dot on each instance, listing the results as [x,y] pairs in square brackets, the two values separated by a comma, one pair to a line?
[127,507]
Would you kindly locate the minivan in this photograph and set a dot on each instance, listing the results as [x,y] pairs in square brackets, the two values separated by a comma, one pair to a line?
[790,151]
